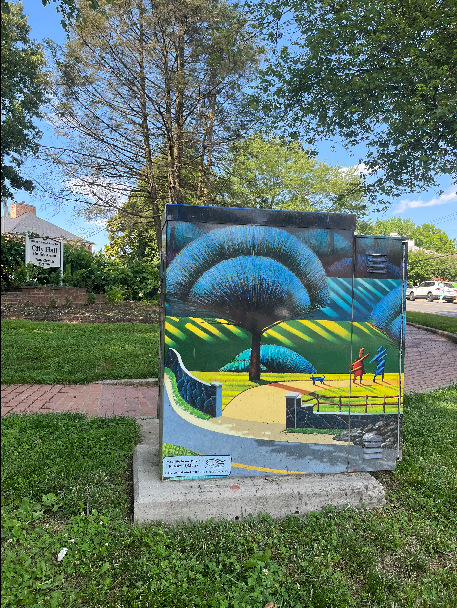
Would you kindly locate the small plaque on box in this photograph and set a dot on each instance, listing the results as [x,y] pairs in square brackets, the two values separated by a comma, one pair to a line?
[197,466]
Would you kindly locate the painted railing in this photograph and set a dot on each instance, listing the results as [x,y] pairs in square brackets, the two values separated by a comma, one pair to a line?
[302,415]
[346,401]
[206,398]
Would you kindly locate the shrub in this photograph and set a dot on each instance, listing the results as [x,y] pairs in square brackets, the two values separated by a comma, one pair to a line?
[124,280]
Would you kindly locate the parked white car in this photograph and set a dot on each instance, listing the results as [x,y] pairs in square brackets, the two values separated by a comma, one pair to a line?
[430,291]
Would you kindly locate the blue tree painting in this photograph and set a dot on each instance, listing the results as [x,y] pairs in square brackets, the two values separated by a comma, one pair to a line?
[251,276]
[272,359]
[387,315]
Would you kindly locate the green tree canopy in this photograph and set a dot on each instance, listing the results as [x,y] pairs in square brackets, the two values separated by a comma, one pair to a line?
[382,74]
[131,230]
[275,173]
[426,236]
[424,267]
[24,83]
[69,9]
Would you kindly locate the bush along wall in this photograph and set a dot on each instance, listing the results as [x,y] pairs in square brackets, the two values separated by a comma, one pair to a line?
[97,273]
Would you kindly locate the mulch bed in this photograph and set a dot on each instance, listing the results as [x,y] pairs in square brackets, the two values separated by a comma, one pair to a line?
[124,312]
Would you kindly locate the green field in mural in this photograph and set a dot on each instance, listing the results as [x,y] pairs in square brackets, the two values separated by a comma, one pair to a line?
[332,396]
[209,344]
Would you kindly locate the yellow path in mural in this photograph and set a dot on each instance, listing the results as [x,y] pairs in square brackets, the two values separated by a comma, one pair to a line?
[267,404]
[249,428]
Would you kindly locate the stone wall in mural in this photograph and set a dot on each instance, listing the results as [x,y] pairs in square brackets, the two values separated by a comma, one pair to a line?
[282,344]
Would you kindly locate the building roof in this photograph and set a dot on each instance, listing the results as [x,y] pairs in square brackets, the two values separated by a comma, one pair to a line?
[28,222]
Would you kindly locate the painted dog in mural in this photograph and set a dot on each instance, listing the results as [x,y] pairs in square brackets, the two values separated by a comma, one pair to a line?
[318,379]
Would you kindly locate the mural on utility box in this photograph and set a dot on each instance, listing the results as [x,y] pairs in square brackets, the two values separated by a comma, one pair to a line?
[282,346]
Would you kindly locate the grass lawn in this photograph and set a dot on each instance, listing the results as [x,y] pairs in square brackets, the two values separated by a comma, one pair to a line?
[68,538]
[435,321]
[45,352]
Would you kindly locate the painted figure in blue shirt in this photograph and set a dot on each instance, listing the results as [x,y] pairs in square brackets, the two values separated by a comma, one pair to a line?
[380,359]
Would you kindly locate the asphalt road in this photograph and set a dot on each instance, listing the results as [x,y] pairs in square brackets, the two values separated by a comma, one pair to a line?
[448,309]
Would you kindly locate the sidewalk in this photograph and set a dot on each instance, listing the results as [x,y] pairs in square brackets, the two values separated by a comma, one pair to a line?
[91,399]
[431,362]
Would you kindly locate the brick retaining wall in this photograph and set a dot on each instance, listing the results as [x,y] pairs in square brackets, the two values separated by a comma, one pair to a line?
[47,296]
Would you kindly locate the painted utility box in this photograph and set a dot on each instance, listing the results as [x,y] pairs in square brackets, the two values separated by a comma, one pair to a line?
[282,336]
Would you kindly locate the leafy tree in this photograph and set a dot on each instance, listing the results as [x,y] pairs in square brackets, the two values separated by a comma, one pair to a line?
[424,267]
[130,279]
[251,276]
[131,230]
[403,227]
[379,73]
[273,173]
[426,236]
[24,84]
[69,9]
[149,91]
[12,262]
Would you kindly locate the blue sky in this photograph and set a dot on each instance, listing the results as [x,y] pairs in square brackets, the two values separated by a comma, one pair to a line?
[421,207]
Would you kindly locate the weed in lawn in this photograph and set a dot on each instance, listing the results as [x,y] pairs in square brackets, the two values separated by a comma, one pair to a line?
[91,298]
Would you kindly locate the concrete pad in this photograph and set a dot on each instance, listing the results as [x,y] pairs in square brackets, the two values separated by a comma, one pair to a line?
[234,498]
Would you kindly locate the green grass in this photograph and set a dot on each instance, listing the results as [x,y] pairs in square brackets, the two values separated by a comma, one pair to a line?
[76,353]
[435,321]
[65,481]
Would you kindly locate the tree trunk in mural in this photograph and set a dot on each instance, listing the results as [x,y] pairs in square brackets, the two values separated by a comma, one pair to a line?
[254,363]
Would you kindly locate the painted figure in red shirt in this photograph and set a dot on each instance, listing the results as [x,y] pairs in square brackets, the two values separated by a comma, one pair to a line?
[357,367]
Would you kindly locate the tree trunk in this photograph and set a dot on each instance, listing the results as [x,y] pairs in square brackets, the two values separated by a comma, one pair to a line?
[254,363]
[210,140]
[178,136]
[149,168]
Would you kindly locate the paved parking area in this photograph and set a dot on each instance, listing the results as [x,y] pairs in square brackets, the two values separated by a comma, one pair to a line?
[448,309]
[430,362]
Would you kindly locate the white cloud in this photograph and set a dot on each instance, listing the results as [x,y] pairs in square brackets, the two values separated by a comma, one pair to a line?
[450,196]
[361,168]
[101,222]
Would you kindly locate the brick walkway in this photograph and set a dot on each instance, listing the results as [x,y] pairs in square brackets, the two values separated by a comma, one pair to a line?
[90,399]
[431,362]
